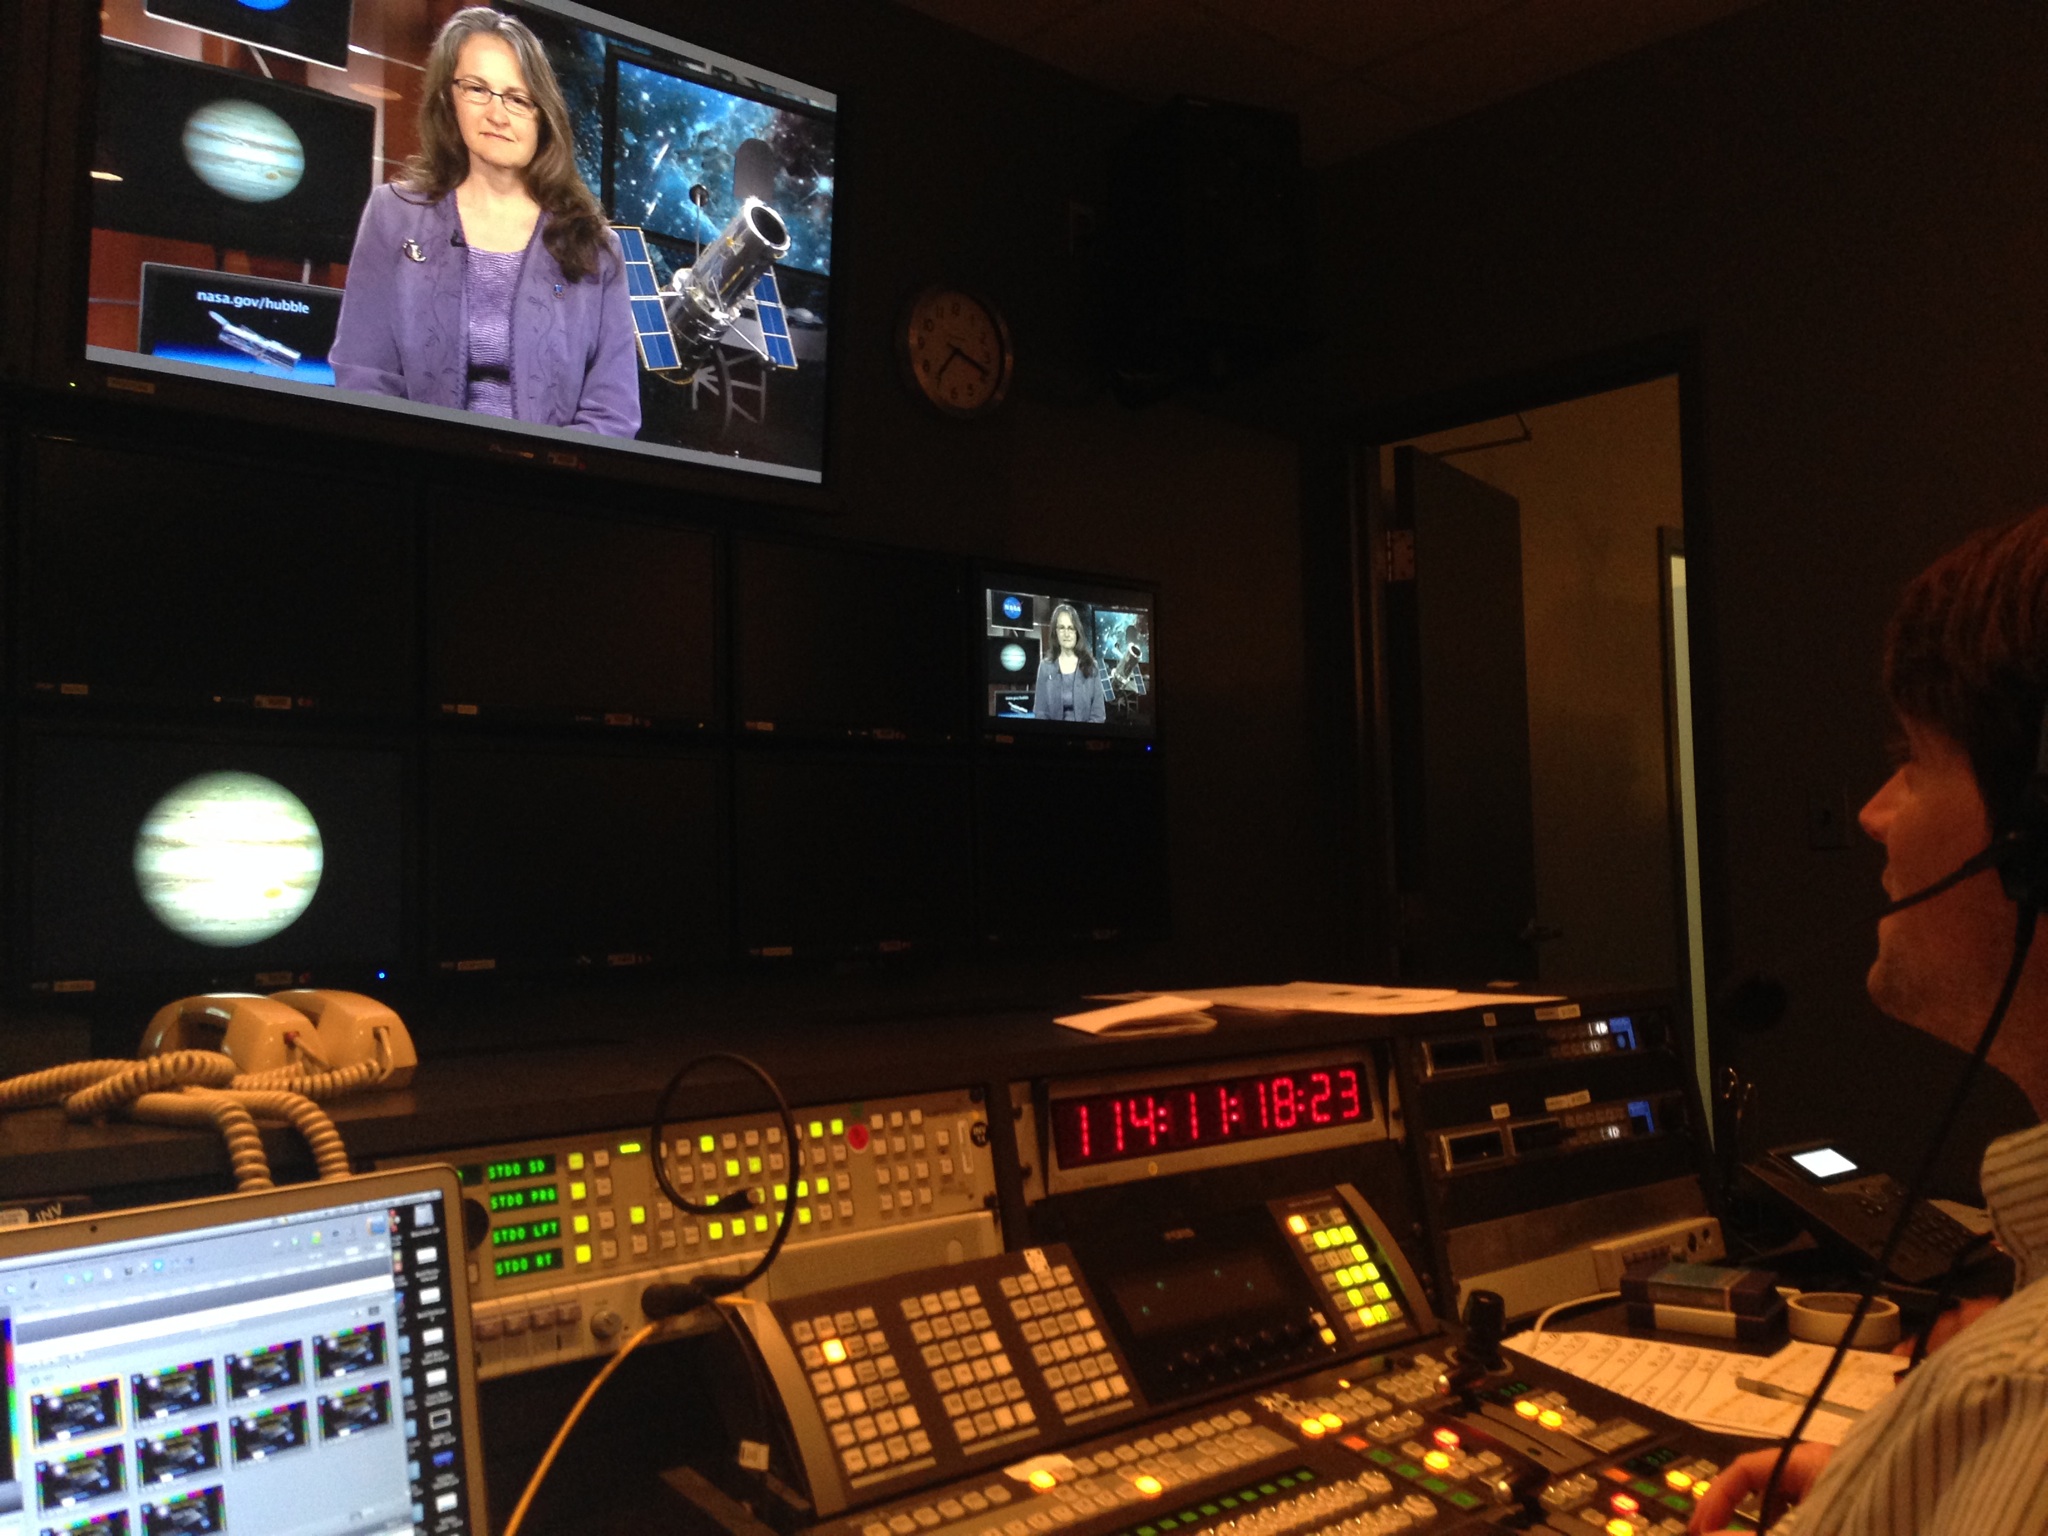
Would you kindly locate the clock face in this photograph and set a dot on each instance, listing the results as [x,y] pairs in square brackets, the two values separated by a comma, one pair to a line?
[957,350]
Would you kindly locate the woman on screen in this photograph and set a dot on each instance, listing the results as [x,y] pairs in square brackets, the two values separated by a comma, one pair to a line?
[1069,684]
[487,280]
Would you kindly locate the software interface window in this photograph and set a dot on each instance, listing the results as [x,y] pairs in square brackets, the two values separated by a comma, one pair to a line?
[292,1376]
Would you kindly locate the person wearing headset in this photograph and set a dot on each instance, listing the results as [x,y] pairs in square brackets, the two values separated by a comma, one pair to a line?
[487,280]
[1069,683]
[1961,1447]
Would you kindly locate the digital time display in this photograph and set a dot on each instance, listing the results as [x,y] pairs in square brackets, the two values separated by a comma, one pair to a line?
[1184,1117]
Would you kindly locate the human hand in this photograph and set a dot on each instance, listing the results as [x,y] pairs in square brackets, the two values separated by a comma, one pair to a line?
[1949,1324]
[1748,1474]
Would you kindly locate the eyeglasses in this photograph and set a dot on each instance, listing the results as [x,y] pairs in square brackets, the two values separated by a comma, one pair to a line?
[477,94]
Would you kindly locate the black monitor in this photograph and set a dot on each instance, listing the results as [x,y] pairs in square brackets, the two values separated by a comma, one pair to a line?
[314,30]
[546,616]
[182,863]
[256,325]
[846,643]
[850,854]
[1067,658]
[1070,849]
[195,152]
[213,587]
[567,861]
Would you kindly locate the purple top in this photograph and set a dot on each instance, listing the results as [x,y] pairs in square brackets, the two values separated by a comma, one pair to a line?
[489,279]
[405,328]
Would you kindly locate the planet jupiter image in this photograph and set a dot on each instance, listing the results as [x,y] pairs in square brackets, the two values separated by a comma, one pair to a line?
[244,151]
[228,859]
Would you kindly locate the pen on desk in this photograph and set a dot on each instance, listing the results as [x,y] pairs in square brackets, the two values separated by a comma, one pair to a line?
[1788,1395]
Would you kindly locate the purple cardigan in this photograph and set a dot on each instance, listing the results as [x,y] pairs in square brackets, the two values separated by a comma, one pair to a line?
[404,329]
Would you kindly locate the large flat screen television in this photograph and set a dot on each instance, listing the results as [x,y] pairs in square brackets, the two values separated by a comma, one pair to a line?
[258,239]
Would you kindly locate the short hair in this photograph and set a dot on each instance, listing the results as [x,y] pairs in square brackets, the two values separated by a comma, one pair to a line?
[1967,652]
[576,230]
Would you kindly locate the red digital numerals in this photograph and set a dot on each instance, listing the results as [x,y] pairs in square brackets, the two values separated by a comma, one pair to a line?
[1178,1119]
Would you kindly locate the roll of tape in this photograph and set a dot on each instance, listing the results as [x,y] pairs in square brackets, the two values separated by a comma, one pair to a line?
[1822,1317]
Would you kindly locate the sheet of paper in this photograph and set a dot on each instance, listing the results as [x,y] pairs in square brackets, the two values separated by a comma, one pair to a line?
[1687,1381]
[1864,1380]
[1356,998]
[1161,1015]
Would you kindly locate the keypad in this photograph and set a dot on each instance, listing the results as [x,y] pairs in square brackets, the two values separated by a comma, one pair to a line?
[977,1381]
[1351,1276]
[875,1427]
[1067,1343]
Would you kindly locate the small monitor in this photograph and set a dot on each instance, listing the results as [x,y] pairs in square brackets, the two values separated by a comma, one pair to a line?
[844,644]
[257,325]
[1067,657]
[165,862]
[292,1362]
[572,862]
[194,152]
[313,30]
[1822,1164]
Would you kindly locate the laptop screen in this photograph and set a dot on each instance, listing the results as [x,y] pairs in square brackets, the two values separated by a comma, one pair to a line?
[295,1363]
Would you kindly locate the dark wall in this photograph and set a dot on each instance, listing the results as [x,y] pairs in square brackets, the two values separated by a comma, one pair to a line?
[960,164]
[1837,202]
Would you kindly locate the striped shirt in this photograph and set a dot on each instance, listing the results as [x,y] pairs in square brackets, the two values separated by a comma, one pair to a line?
[1961,1448]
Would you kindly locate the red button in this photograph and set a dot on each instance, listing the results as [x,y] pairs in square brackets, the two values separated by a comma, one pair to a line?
[857,1136]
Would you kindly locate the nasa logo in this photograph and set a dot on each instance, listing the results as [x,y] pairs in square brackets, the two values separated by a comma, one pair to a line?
[1012,608]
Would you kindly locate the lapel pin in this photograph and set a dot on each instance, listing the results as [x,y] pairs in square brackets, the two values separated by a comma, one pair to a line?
[412,251]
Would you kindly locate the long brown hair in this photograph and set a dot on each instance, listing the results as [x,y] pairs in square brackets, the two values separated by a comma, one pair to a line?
[576,231]
[1083,652]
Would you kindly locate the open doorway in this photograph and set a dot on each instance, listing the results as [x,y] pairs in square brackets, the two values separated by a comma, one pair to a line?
[1596,486]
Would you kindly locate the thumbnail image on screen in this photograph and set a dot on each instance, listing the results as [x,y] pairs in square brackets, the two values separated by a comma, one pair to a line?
[177,1453]
[252,231]
[197,1513]
[76,1411]
[1067,659]
[175,1389]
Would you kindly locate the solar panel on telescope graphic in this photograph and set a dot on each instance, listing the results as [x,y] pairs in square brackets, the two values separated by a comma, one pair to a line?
[650,322]
[764,325]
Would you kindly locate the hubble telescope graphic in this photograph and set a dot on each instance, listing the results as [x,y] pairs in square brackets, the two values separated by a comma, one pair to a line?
[253,343]
[728,296]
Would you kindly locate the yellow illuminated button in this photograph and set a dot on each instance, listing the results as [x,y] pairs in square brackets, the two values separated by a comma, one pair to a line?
[1380,1290]
[1550,1418]
[817,1130]
[1355,1296]
[803,1215]
[579,1224]
[1365,1317]
[760,1223]
[1525,1408]
[575,1162]
[583,1253]
[782,1191]
[1620,1527]
[1380,1314]
[629,1149]
[1677,1480]
[1297,1225]
[1149,1485]
[715,1230]
[1313,1428]
[1322,1239]
[753,1165]
[1329,1421]
[803,1189]
[1447,1438]
[1437,1461]
[834,1351]
[1371,1271]
[732,1167]
[1347,1234]
[1042,1480]
[707,1143]
[577,1189]
[824,1184]
[1625,1503]
[1699,1489]
[839,1129]
[1329,1336]
[1358,1252]
[637,1215]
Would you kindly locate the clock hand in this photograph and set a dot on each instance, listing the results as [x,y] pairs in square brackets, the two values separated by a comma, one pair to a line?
[973,362]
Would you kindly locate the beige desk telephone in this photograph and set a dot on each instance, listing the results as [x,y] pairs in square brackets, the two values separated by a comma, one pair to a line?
[302,1030]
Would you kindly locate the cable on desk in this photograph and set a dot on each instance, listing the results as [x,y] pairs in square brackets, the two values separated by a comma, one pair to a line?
[1543,1318]
[547,1460]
